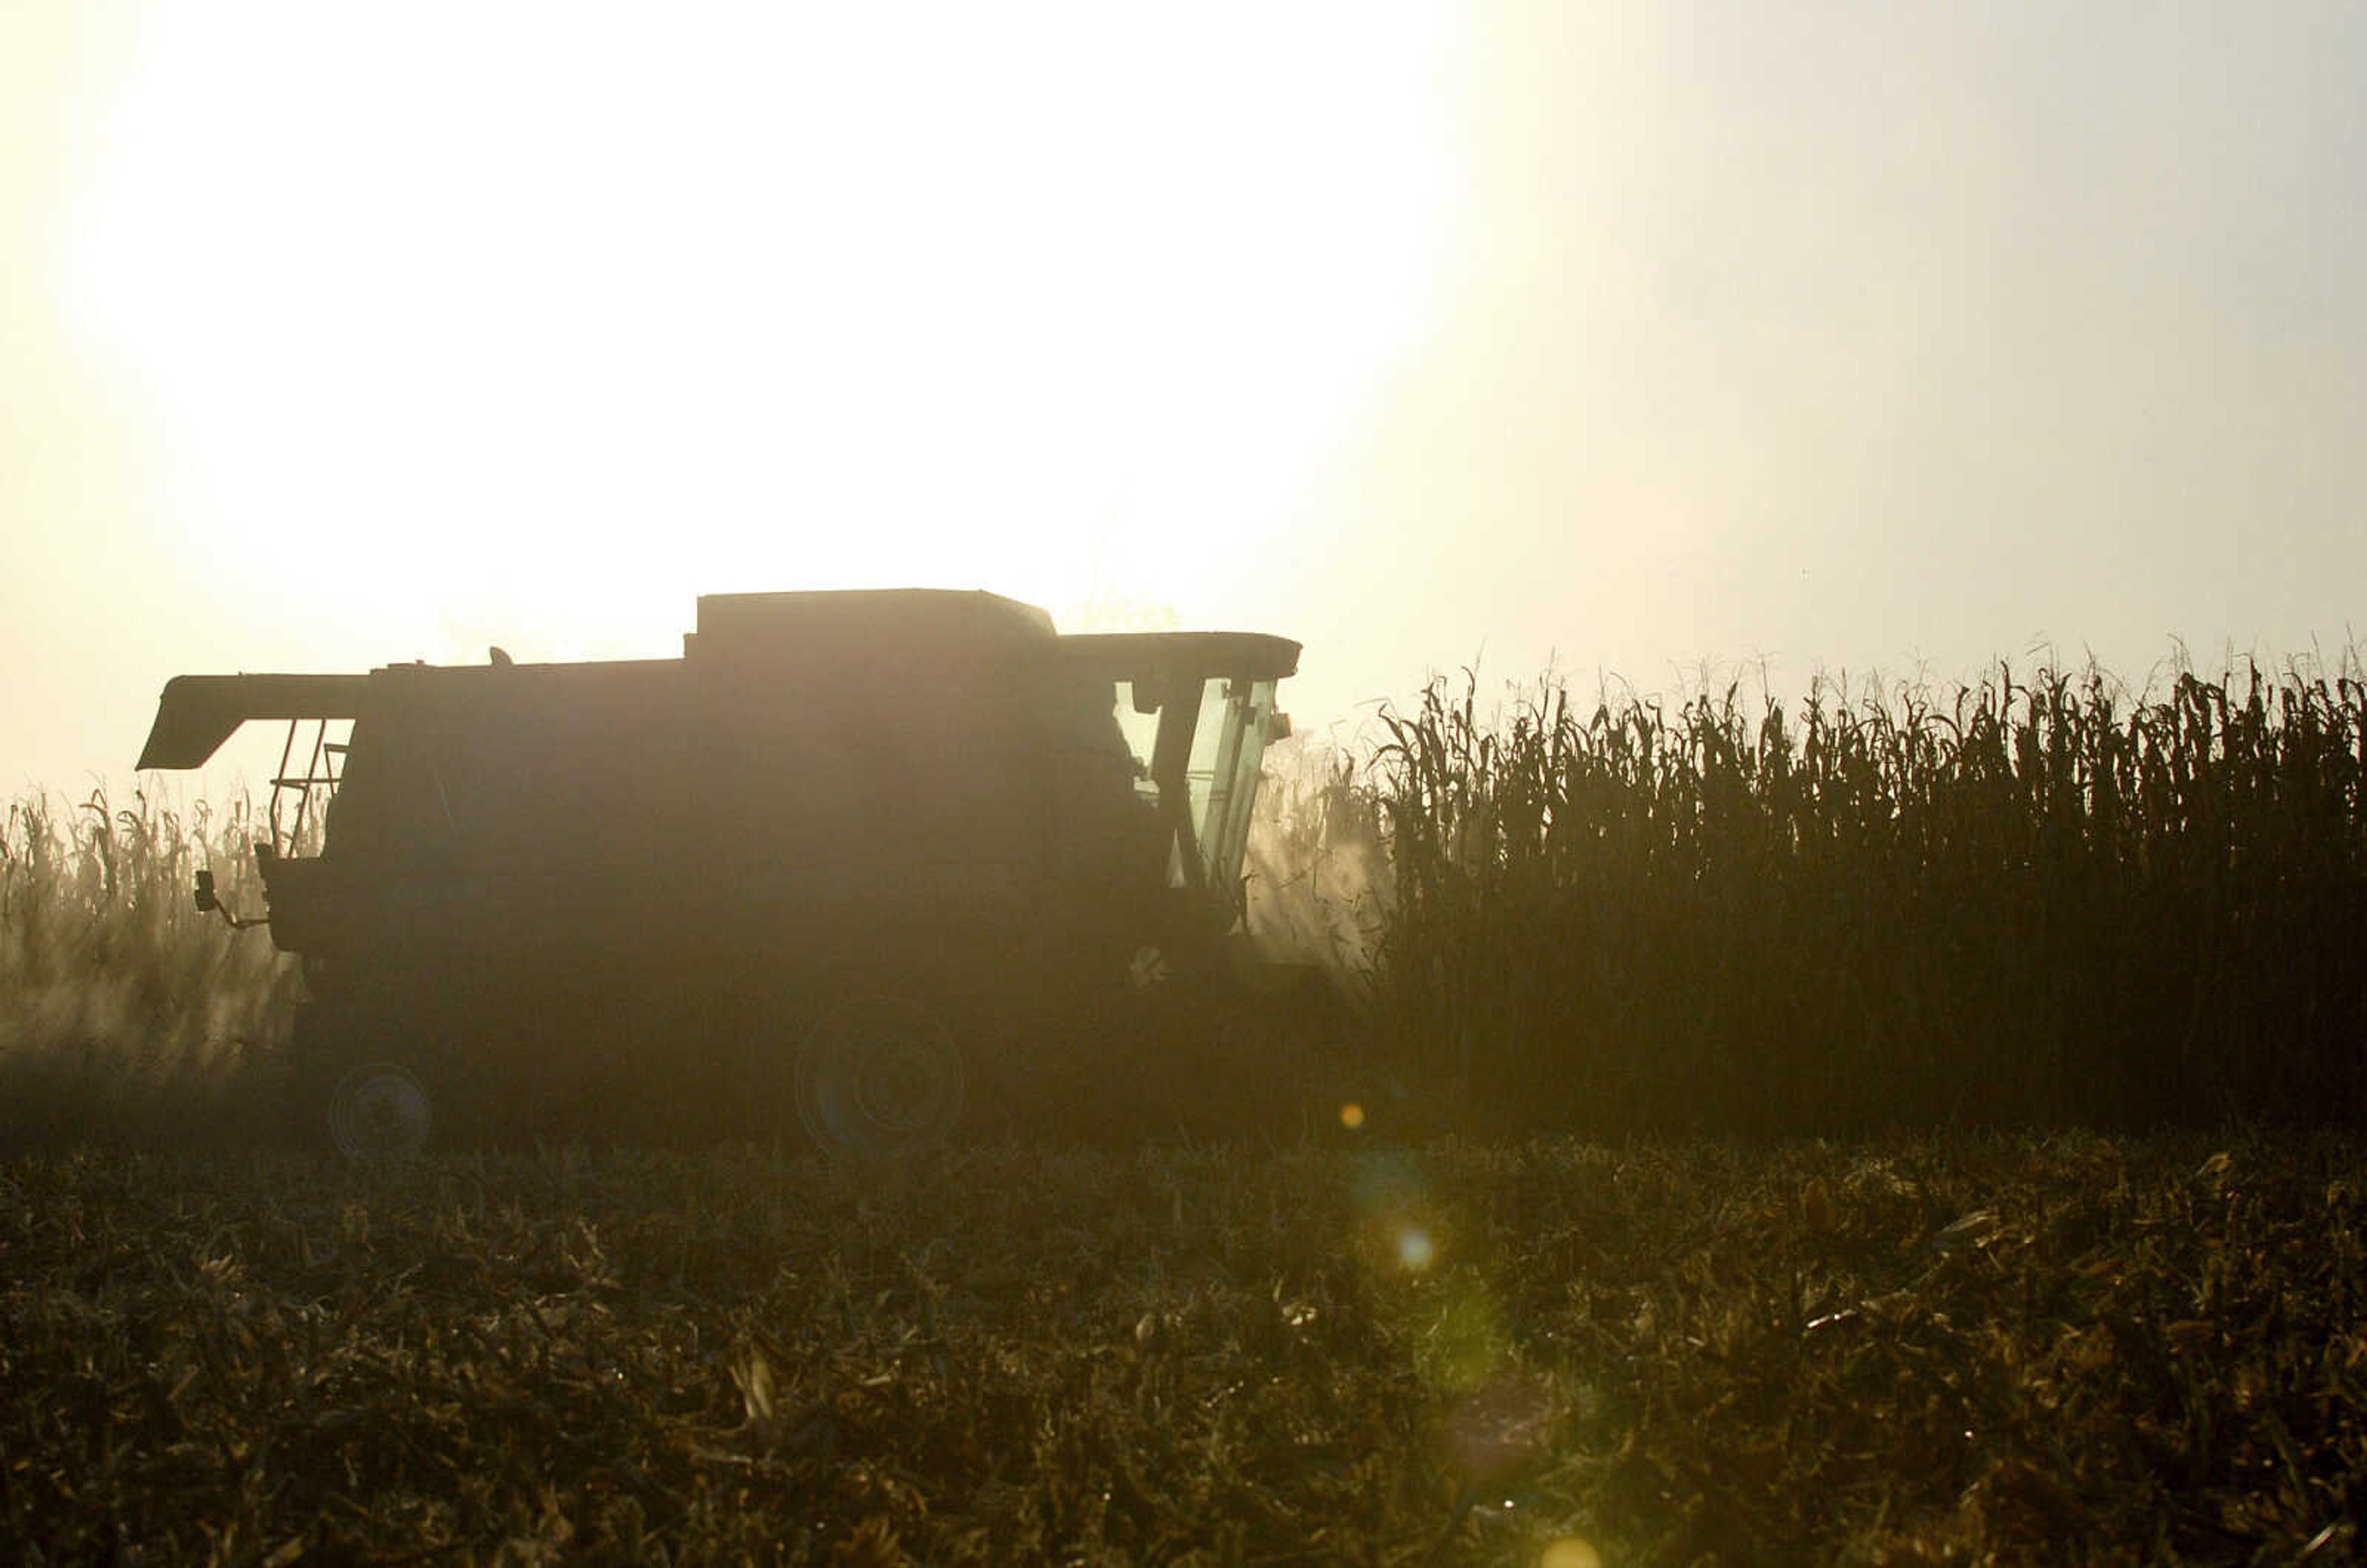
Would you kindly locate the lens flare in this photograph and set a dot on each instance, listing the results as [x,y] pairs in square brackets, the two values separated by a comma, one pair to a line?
[1352,1116]
[1570,1551]
[1414,1248]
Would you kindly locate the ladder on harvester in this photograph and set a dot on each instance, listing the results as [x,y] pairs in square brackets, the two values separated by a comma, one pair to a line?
[324,760]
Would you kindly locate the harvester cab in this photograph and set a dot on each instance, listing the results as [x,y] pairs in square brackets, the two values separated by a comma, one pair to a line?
[850,852]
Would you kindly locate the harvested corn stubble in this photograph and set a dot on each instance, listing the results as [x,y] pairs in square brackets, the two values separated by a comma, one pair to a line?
[2075,1348]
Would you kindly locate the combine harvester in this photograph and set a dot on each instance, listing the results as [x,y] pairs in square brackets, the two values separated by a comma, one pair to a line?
[870,854]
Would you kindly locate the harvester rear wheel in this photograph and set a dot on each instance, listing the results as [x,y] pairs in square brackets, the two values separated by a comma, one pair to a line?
[381,1111]
[372,1084]
[879,1074]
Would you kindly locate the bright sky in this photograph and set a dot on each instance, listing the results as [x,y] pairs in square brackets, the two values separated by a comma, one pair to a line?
[1629,335]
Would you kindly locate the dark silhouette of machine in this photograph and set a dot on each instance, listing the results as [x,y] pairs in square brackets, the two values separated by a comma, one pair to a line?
[866,854]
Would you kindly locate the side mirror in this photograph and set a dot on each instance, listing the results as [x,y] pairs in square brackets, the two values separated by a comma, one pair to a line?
[1277,728]
[210,905]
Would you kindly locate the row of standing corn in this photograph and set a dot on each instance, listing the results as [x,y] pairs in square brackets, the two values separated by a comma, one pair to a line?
[125,1011]
[2031,901]
[2034,901]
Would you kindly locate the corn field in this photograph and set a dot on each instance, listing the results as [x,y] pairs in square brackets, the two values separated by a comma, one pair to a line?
[2031,901]
[124,1012]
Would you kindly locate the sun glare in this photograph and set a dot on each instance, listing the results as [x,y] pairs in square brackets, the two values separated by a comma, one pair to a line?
[475,311]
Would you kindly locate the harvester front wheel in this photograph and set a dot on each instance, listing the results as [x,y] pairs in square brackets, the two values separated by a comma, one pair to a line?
[879,1074]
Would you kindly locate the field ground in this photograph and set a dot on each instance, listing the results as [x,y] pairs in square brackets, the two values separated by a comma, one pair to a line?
[1982,1348]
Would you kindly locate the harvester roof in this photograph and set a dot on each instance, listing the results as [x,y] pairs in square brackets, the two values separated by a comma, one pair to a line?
[199,712]
[1126,656]
[842,634]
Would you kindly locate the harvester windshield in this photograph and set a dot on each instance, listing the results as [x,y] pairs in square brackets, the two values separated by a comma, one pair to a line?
[1197,711]
[1229,731]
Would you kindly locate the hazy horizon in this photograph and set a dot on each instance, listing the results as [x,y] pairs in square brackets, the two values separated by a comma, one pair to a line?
[1833,338]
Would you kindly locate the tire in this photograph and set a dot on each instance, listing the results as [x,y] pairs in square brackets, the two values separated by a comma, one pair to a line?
[881,1074]
[359,1085]
[381,1111]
